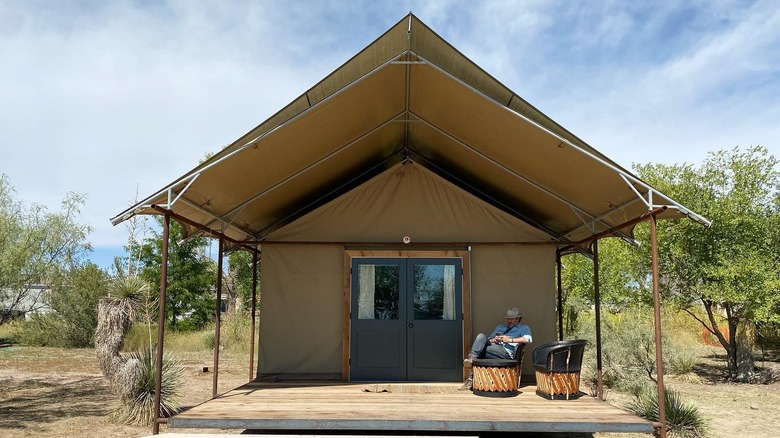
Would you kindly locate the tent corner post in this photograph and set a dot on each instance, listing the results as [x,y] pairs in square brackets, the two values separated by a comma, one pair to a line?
[217,320]
[255,255]
[161,324]
[659,362]
[597,302]
[560,294]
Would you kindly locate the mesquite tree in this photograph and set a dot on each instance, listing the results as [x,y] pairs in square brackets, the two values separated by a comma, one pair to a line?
[37,247]
[730,269]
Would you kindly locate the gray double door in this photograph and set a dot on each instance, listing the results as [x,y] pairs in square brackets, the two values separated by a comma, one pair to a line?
[406,319]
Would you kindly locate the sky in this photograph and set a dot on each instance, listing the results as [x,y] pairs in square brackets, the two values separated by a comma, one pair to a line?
[116,99]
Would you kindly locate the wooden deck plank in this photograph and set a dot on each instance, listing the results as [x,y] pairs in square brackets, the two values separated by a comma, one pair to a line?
[348,406]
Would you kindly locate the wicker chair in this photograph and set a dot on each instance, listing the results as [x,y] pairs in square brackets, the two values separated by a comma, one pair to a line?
[557,366]
[498,377]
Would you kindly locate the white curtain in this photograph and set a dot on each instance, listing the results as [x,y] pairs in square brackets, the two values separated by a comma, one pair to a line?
[367,291]
[449,292]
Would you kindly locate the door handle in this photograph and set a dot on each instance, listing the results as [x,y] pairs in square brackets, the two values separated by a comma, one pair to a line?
[410,325]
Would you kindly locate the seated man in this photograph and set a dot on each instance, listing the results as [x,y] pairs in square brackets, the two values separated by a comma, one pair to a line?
[500,344]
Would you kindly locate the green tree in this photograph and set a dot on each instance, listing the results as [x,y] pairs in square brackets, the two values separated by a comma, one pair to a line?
[623,281]
[189,302]
[238,281]
[36,247]
[731,268]
[74,302]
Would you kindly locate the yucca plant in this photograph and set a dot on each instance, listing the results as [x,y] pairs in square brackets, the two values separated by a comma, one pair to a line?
[138,409]
[682,419]
[116,314]
[132,376]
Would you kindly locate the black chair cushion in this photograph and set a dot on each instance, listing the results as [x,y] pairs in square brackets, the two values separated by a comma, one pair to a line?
[494,362]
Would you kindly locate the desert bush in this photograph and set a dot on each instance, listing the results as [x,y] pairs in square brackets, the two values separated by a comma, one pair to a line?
[628,347]
[8,333]
[40,330]
[682,361]
[75,302]
[139,409]
[208,339]
[71,321]
[137,337]
[682,419]
[234,333]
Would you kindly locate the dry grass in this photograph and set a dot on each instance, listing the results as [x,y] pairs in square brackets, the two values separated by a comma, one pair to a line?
[49,392]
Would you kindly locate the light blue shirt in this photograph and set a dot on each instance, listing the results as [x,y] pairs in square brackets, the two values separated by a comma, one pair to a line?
[518,331]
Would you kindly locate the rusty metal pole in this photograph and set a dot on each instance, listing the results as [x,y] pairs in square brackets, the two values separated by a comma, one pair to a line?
[218,319]
[659,357]
[597,299]
[254,309]
[161,324]
[560,294]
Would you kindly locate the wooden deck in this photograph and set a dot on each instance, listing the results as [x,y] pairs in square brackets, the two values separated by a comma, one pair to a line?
[406,407]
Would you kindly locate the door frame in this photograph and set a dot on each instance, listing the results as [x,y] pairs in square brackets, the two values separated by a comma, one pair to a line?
[465,257]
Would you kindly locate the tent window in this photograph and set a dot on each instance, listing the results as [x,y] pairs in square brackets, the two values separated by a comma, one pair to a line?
[434,292]
[379,291]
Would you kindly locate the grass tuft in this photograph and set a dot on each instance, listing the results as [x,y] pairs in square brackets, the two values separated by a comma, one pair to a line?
[682,419]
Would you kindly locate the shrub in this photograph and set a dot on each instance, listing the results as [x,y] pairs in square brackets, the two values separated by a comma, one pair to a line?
[40,330]
[682,362]
[682,419]
[73,301]
[139,410]
[208,339]
[137,338]
[9,333]
[628,346]
[234,333]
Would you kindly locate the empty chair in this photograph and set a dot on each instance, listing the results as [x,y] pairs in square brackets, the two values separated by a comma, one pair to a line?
[557,366]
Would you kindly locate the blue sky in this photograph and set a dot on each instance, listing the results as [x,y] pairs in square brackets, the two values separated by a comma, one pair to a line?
[109,97]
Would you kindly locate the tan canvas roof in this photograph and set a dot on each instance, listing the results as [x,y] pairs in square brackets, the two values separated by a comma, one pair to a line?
[410,97]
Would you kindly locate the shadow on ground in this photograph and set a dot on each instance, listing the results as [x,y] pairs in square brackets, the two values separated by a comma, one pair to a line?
[29,403]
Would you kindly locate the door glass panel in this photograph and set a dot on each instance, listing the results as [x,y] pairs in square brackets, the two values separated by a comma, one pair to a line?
[378,296]
[434,292]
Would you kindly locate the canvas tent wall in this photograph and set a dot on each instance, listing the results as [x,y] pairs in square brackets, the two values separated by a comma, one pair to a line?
[303,284]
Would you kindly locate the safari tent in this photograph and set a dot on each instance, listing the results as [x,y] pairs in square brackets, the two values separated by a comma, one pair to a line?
[399,206]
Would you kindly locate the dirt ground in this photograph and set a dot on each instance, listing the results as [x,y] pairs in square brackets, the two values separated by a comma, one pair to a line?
[48,392]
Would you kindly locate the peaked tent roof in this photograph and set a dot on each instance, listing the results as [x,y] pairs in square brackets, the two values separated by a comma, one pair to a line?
[409,95]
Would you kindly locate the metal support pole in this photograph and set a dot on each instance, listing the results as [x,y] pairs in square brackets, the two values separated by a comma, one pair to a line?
[659,357]
[161,324]
[218,319]
[560,295]
[254,309]
[597,299]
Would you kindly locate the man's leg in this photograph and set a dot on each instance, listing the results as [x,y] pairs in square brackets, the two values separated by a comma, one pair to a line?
[477,349]
[496,351]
